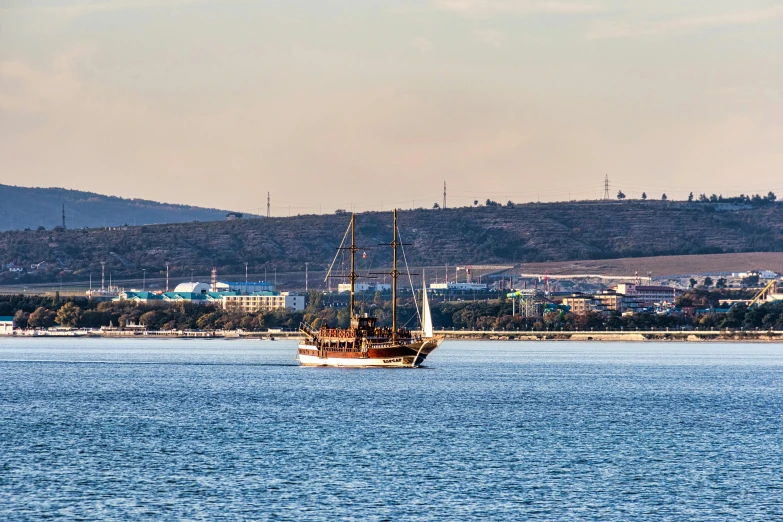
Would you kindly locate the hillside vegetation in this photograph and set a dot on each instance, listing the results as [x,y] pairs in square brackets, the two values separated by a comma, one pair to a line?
[25,207]
[485,234]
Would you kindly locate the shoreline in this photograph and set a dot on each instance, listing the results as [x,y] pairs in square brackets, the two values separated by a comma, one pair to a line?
[766,336]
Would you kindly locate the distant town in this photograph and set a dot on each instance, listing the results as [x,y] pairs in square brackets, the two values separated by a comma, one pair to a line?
[479,299]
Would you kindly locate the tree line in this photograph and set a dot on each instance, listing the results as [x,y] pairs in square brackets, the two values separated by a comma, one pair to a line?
[45,312]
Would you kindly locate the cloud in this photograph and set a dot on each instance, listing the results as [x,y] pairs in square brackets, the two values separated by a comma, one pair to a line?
[490,37]
[422,44]
[490,7]
[604,29]
[77,8]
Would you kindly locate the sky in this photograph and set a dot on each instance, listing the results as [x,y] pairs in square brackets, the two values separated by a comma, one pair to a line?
[331,104]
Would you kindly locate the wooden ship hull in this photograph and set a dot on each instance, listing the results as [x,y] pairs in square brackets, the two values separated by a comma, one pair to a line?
[409,355]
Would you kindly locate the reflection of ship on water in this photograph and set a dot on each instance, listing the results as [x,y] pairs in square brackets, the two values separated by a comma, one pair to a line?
[364,343]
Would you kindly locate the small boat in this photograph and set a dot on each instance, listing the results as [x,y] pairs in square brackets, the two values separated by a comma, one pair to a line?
[363,343]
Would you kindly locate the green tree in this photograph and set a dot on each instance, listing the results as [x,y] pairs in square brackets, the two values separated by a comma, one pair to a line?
[41,318]
[690,197]
[149,319]
[435,206]
[620,194]
[68,315]
[314,302]
[751,280]
[644,196]
[721,283]
[664,197]
[707,282]
[20,319]
[693,282]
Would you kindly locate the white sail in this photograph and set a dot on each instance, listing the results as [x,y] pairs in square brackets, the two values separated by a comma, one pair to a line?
[426,321]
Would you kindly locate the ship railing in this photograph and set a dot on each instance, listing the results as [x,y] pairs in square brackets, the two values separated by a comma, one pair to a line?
[307,329]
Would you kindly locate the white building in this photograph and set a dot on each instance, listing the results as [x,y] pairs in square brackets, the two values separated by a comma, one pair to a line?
[647,294]
[264,301]
[762,274]
[249,287]
[228,286]
[6,325]
[458,287]
[194,288]
[364,287]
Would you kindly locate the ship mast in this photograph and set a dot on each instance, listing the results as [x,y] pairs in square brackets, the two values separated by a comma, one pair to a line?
[394,274]
[352,276]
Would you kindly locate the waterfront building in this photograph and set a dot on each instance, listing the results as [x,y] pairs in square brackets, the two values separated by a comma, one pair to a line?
[458,287]
[173,297]
[6,325]
[647,294]
[193,287]
[364,287]
[608,301]
[242,287]
[136,296]
[264,301]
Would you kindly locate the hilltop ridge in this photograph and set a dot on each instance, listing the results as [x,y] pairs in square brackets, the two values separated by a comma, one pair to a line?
[533,232]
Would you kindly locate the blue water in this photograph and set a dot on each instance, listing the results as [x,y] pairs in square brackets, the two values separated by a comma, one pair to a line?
[211,430]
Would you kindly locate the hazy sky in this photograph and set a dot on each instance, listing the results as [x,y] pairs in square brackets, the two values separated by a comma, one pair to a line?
[329,103]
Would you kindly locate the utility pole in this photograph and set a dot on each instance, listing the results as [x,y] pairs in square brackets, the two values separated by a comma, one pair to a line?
[103,276]
[63,216]
[144,278]
[267,204]
[167,277]
[245,273]
[306,276]
[275,278]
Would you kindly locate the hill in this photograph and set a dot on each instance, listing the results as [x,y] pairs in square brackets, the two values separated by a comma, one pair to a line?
[25,207]
[487,234]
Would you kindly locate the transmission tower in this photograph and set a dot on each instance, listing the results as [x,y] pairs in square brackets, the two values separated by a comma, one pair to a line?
[606,187]
[267,204]
[444,194]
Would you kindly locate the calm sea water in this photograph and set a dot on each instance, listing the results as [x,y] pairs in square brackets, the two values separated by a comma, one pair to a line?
[211,430]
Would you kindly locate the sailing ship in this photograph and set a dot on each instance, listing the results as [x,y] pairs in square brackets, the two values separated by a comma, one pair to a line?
[364,343]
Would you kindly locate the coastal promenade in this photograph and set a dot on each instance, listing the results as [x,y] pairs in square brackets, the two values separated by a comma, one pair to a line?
[494,335]
[617,335]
